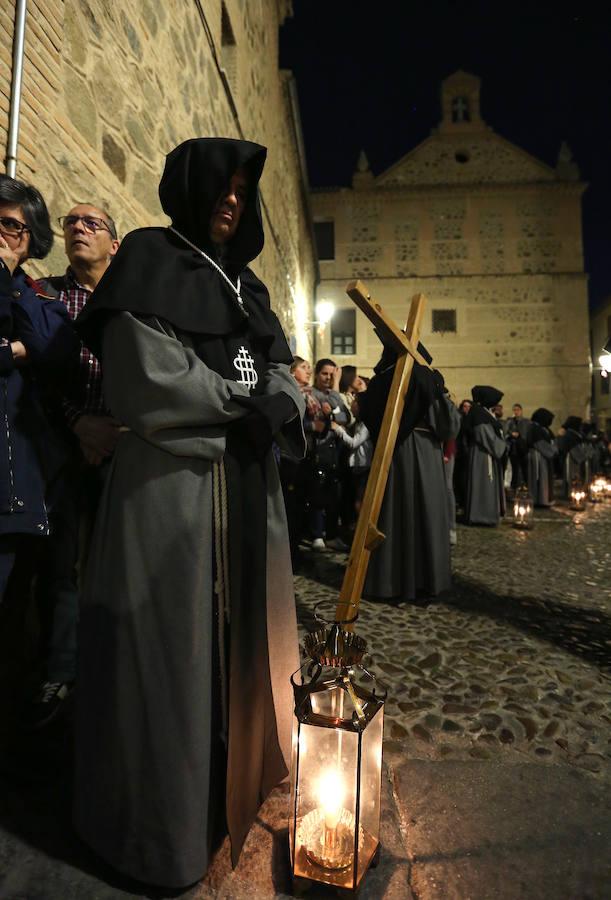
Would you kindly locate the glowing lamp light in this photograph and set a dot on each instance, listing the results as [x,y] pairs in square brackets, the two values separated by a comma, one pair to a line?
[578,497]
[523,511]
[598,490]
[604,360]
[324,312]
[336,765]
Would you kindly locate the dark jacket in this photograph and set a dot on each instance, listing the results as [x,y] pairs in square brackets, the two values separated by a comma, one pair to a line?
[29,455]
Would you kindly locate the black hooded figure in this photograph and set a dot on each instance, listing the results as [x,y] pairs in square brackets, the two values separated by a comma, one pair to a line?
[413,562]
[188,632]
[541,452]
[485,502]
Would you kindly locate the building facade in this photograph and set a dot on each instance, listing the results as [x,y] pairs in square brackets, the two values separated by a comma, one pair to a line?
[110,88]
[491,236]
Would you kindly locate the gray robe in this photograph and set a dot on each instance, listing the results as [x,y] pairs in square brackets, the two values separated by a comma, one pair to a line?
[485,492]
[149,630]
[541,473]
[415,557]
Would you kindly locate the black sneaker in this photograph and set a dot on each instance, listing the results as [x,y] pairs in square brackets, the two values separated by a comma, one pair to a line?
[47,704]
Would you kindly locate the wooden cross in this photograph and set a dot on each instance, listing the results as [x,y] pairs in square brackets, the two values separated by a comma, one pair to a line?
[367,536]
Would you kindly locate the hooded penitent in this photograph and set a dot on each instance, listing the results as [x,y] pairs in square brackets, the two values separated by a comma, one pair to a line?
[188,631]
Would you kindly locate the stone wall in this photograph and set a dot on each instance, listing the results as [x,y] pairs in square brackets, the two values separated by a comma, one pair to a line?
[110,88]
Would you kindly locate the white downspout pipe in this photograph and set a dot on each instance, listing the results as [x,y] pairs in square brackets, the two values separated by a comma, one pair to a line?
[15,104]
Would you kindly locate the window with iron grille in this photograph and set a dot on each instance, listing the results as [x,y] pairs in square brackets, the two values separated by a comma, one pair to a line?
[324,233]
[343,332]
[444,320]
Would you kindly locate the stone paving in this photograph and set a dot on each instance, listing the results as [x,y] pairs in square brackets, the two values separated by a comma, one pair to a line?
[515,663]
[497,745]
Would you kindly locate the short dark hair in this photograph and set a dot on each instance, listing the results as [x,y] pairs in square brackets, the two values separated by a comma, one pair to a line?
[322,363]
[35,213]
[348,376]
[519,405]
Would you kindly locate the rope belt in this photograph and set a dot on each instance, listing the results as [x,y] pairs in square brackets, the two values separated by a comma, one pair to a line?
[221,585]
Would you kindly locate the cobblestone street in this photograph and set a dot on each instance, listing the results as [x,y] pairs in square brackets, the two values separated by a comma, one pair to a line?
[497,748]
[516,662]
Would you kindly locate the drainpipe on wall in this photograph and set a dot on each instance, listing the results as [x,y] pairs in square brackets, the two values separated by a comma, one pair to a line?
[15,103]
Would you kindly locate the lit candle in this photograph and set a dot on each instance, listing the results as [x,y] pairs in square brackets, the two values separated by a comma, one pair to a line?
[331,795]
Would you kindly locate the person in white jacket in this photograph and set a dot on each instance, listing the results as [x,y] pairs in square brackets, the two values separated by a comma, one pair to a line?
[361,452]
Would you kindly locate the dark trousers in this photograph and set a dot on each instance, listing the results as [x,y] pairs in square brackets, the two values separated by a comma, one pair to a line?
[8,553]
[63,560]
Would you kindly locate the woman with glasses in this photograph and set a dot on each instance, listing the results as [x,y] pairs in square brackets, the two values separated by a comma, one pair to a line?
[37,342]
[187,631]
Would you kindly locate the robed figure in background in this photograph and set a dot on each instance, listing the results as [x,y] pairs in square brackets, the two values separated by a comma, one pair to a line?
[572,455]
[413,562]
[485,503]
[188,630]
[541,452]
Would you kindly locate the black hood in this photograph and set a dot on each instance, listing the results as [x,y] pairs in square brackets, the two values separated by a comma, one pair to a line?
[543,416]
[486,396]
[573,422]
[195,174]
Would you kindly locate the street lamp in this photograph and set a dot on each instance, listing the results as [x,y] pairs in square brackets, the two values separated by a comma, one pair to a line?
[604,360]
[323,311]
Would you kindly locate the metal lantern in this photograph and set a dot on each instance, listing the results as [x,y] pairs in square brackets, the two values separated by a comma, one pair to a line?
[578,497]
[598,490]
[523,511]
[336,766]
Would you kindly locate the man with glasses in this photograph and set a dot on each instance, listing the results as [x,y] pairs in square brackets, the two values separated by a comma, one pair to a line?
[91,241]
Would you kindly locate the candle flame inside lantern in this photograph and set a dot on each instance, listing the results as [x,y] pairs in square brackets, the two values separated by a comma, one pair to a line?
[331,796]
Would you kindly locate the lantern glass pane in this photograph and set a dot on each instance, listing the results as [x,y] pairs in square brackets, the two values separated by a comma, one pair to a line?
[371,777]
[326,805]
[294,747]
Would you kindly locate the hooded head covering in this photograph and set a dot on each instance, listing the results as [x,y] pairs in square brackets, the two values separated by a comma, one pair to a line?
[195,174]
[573,422]
[486,396]
[543,417]
[155,273]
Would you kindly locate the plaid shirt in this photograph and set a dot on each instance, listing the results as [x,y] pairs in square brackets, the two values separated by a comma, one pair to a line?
[86,397]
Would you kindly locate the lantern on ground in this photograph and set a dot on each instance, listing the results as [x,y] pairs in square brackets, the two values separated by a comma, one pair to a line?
[336,766]
[523,511]
[578,496]
[598,490]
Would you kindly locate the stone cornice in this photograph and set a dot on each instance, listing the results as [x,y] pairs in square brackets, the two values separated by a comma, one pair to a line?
[570,187]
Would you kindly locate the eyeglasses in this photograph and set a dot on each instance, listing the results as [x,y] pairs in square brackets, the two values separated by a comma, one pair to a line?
[12,227]
[91,224]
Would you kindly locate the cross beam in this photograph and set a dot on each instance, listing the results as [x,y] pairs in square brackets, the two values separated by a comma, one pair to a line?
[367,536]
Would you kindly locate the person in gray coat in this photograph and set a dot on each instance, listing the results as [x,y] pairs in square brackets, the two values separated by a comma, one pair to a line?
[188,630]
[413,563]
[487,447]
[541,452]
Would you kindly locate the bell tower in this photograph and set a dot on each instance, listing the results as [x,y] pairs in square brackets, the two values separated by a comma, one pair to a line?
[460,104]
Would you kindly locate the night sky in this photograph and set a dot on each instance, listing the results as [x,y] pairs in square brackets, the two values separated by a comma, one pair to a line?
[369,75]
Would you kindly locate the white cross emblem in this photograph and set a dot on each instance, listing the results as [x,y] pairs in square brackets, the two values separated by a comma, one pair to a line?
[244,363]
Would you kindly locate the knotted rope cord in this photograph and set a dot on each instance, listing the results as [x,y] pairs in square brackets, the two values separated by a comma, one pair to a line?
[221,584]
